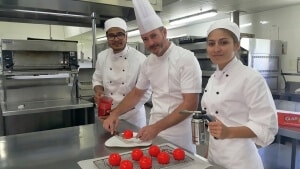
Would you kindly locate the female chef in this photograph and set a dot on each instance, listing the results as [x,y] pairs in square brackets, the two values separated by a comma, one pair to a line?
[240,99]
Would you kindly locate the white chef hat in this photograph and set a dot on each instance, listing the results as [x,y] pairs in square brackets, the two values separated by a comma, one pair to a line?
[115,22]
[225,24]
[146,18]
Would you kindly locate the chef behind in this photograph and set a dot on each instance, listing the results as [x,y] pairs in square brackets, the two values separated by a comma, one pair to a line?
[240,99]
[117,70]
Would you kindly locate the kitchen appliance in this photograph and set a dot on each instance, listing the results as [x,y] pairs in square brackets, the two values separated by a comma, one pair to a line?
[198,123]
[85,85]
[39,81]
[29,55]
[263,55]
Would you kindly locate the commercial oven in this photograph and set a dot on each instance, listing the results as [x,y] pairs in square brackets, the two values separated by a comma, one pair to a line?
[38,85]
[263,55]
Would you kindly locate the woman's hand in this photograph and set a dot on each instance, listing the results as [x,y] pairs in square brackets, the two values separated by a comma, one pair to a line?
[218,129]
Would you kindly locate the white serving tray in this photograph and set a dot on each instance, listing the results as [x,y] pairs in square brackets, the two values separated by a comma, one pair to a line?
[119,141]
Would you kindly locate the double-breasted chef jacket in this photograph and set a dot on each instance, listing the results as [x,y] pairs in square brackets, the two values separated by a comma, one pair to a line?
[239,96]
[118,74]
[170,75]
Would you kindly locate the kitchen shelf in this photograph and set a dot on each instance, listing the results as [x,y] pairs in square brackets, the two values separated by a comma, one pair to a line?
[37,72]
[19,108]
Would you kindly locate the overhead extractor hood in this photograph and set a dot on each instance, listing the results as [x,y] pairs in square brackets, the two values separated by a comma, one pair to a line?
[68,12]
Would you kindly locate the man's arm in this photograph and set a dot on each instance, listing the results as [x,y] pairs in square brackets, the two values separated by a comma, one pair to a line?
[128,103]
[190,102]
[99,91]
[97,78]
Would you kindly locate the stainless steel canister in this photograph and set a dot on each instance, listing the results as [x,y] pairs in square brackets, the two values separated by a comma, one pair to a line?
[199,134]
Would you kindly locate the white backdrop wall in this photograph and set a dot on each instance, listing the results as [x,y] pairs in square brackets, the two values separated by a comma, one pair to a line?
[11,30]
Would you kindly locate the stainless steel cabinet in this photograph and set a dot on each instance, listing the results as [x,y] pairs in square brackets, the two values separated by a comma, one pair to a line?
[263,55]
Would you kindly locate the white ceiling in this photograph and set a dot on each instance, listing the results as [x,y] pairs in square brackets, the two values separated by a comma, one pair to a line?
[178,8]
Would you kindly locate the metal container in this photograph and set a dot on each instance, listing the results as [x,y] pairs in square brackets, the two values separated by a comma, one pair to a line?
[198,124]
[36,55]
[263,55]
[199,134]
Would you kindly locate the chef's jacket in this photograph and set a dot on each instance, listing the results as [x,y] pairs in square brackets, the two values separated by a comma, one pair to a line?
[239,96]
[171,75]
[118,74]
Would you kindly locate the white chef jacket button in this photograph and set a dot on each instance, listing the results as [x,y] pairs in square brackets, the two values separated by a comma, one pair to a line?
[111,93]
[217,112]
[123,70]
[123,94]
[227,75]
[125,58]
[205,90]
[123,83]
[217,92]
[110,82]
[110,68]
[204,108]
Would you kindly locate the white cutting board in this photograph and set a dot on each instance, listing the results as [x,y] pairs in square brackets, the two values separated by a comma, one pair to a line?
[119,141]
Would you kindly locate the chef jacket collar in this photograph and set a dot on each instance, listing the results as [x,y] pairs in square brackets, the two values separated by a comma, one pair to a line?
[120,54]
[219,73]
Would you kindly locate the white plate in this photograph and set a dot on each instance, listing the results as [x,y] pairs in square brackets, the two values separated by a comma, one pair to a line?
[119,141]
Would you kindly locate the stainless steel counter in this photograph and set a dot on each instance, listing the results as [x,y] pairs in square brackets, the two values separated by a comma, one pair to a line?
[22,117]
[18,108]
[59,148]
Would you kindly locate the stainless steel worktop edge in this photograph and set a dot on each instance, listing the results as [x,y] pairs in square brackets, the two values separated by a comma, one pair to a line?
[60,148]
[10,109]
